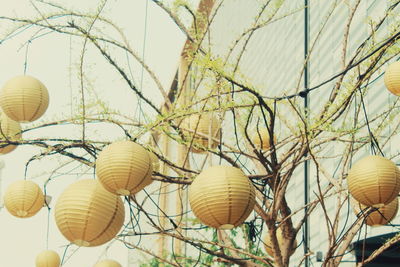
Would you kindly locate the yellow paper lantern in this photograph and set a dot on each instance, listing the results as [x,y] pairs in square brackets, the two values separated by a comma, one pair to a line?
[107,263]
[47,258]
[24,98]
[124,167]
[222,197]
[88,215]
[200,127]
[260,138]
[374,181]
[381,216]
[279,237]
[9,131]
[392,78]
[23,198]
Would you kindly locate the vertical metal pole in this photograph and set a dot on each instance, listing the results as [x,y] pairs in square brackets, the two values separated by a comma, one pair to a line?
[306,107]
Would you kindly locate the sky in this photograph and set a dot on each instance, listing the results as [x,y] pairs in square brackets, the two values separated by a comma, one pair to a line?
[53,59]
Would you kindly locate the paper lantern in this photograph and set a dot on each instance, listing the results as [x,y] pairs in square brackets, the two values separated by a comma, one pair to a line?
[47,258]
[222,197]
[279,237]
[107,263]
[24,98]
[9,130]
[88,215]
[200,127]
[392,78]
[374,181]
[381,216]
[23,198]
[124,167]
[260,138]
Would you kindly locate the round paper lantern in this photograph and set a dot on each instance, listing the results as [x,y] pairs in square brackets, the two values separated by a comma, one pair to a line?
[124,167]
[260,138]
[392,78]
[381,216]
[47,258]
[199,127]
[374,181]
[88,215]
[23,198]
[279,237]
[24,98]
[9,130]
[107,263]
[222,197]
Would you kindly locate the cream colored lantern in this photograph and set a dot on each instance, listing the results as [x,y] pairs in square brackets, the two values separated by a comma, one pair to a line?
[107,263]
[88,215]
[374,181]
[23,198]
[260,138]
[9,131]
[222,197]
[392,78]
[124,167]
[382,216]
[200,128]
[47,258]
[24,98]
[280,239]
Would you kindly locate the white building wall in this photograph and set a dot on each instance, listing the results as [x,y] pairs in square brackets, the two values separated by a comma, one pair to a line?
[273,62]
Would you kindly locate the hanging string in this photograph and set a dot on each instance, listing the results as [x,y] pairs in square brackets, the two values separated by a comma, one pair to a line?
[373,140]
[65,252]
[48,226]
[26,55]
[70,75]
[48,213]
[139,106]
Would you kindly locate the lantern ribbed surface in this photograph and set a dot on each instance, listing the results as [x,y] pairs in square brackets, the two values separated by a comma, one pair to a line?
[374,181]
[392,78]
[124,167]
[9,130]
[47,258]
[88,215]
[260,138]
[23,198]
[382,216]
[155,161]
[222,197]
[279,237]
[24,98]
[199,127]
[108,263]
[155,167]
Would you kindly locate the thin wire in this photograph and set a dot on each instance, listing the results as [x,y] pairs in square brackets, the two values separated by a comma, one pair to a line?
[65,252]
[70,74]
[374,142]
[143,57]
[48,226]
[305,92]
[26,56]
